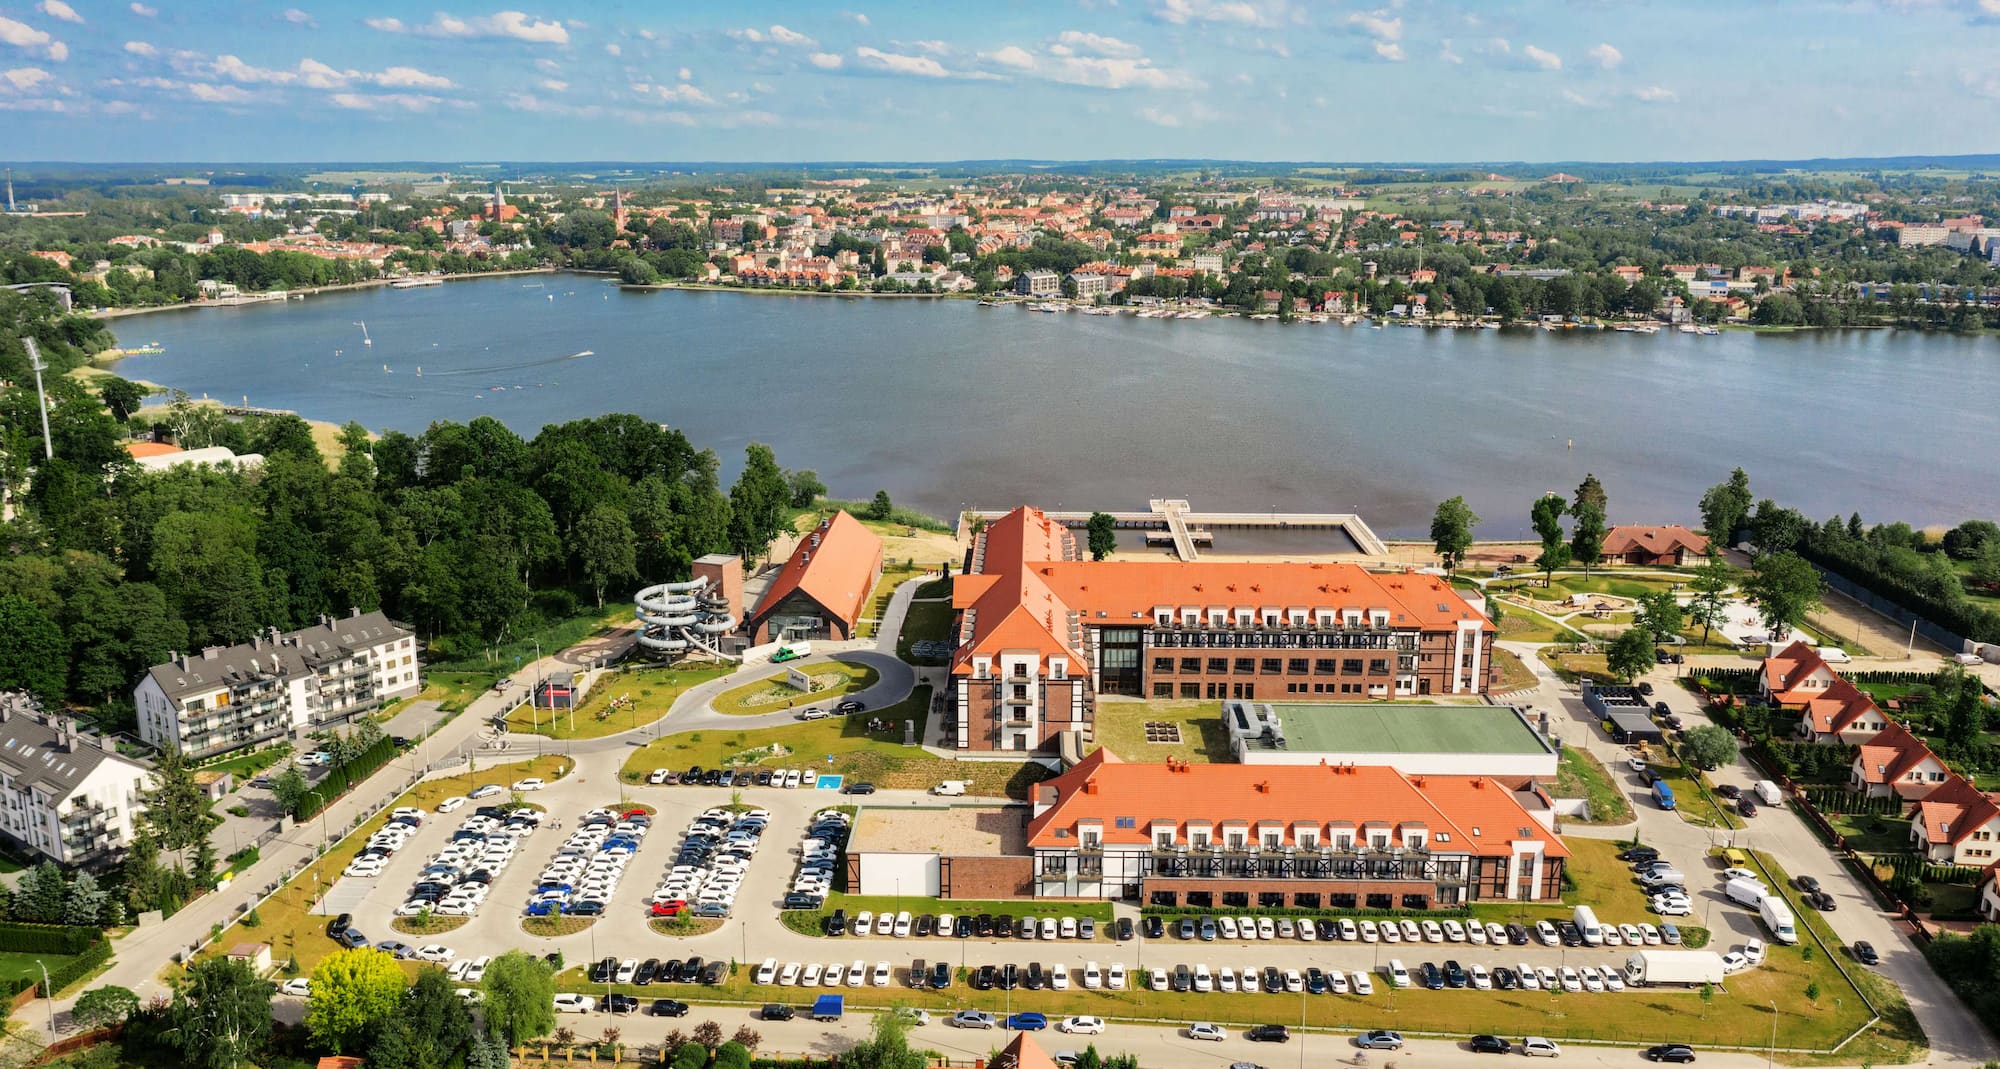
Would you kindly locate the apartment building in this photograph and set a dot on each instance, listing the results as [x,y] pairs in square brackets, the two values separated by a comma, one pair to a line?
[1038,283]
[1290,836]
[277,685]
[65,795]
[1040,632]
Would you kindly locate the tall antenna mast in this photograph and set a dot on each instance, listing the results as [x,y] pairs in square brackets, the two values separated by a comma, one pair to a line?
[35,361]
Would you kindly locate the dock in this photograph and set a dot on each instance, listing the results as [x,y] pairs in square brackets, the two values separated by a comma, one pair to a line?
[1173,521]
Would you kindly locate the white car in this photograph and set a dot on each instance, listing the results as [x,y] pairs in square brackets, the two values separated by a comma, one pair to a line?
[1368,932]
[1093,977]
[450,804]
[1741,874]
[1225,926]
[1348,930]
[1266,928]
[1754,950]
[810,976]
[1081,1026]
[1294,982]
[300,987]
[1546,932]
[1571,982]
[1538,1047]
[1734,961]
[434,952]
[1481,979]
[1672,905]
[1591,981]
[1637,764]
[881,977]
[1453,931]
[1633,936]
[1612,981]
[571,1003]
[1529,981]
[903,924]
[864,923]
[476,969]
[1336,982]
[1157,979]
[1361,983]
[1435,932]
[487,791]
[532,783]
[1475,932]
[1114,977]
[363,869]
[789,975]
[657,776]
[1225,980]
[1410,934]
[1650,934]
[1203,1030]
[1059,977]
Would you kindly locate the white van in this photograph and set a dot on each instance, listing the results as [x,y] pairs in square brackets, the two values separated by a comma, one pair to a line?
[1768,792]
[1745,892]
[951,788]
[1398,975]
[1586,922]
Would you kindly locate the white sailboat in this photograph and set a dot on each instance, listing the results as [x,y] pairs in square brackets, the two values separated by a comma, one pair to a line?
[366,341]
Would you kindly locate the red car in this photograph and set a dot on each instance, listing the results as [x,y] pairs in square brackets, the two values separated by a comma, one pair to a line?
[630,813]
[672,908]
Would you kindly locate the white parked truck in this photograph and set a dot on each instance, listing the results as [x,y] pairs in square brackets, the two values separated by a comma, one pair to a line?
[951,788]
[1778,917]
[1586,922]
[1687,968]
[1769,794]
[1745,891]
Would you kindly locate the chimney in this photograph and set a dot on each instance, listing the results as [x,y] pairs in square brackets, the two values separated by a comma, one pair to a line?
[209,653]
[1090,786]
[353,612]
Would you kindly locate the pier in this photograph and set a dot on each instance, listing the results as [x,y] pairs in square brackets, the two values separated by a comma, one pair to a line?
[1173,521]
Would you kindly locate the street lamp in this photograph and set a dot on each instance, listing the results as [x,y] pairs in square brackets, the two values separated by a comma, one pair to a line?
[1771,1055]
[49,994]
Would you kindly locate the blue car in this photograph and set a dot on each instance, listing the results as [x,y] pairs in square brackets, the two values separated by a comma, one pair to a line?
[547,887]
[1027,1022]
[544,909]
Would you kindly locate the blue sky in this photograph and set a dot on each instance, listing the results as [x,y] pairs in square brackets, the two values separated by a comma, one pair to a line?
[103,80]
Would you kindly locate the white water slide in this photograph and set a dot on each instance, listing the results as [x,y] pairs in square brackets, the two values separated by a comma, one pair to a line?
[674,617]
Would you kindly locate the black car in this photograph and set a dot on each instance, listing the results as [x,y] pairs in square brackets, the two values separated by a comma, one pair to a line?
[713,777]
[666,1007]
[1639,853]
[1454,974]
[1154,928]
[1806,883]
[1433,978]
[648,970]
[554,958]
[1185,928]
[982,978]
[762,779]
[1035,976]
[601,972]
[1670,1052]
[927,924]
[1010,977]
[1821,901]
[941,975]
[1864,952]
[1316,981]
[837,923]
[338,925]
[1671,721]
[1123,929]
[1660,709]
[670,972]
[587,909]
[619,1004]
[1746,807]
[1504,978]
[1730,791]
[851,705]
[715,972]
[691,969]
[962,927]
[982,925]
[1517,935]
[1646,689]
[1274,981]
[858,788]
[1572,936]
[1268,1033]
[801,900]
[774,1011]
[1183,979]
[1485,1044]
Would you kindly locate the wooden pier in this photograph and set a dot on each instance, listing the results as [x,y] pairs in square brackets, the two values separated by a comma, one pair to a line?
[1172,520]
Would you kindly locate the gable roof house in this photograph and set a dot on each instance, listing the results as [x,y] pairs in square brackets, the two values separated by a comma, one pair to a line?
[1957,825]
[1795,676]
[1841,713]
[823,589]
[1897,763]
[1663,544]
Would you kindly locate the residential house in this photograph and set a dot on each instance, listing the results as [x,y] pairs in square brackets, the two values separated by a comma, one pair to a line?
[823,589]
[1896,763]
[1654,545]
[1038,283]
[1089,283]
[1989,893]
[1795,676]
[1841,714]
[69,796]
[1957,825]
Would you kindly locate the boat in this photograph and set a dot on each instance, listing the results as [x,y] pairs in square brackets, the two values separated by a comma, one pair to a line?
[415,283]
[1710,332]
[366,341]
[1688,328]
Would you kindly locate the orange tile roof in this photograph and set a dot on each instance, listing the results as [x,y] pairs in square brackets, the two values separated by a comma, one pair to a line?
[1955,810]
[839,573]
[1833,709]
[1891,754]
[1660,539]
[150,449]
[1479,814]
[1022,1053]
[1784,671]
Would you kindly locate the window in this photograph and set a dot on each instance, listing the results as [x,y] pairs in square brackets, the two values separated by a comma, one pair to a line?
[1125,822]
[1350,666]
[1273,665]
[1272,840]
[1190,665]
[1218,690]
[1296,666]
[1218,665]
[1163,665]
[1164,898]
[1325,666]
[1338,901]
[1191,690]
[1201,899]
[1163,690]
[1245,665]
[1378,667]
[1415,901]
[1236,899]
[1163,839]
[1381,901]
[1271,899]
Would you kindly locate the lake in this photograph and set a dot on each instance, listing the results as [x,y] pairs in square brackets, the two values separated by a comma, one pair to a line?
[946,404]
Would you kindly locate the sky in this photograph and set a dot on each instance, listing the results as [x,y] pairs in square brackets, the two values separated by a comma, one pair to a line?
[686,80]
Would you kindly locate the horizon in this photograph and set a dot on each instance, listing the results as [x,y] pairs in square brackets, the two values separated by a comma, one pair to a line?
[1249,81]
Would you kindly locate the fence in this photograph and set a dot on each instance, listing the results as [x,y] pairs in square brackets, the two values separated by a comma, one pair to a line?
[1894,610]
[1841,800]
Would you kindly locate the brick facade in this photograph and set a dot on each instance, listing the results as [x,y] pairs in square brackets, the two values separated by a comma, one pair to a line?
[986,878]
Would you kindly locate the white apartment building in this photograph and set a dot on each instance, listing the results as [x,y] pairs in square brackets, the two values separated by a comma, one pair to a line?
[64,795]
[277,685]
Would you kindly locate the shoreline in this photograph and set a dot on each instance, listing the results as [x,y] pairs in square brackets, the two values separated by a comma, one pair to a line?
[342,287]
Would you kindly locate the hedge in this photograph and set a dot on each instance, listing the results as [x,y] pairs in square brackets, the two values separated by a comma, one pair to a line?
[341,779]
[78,967]
[19,938]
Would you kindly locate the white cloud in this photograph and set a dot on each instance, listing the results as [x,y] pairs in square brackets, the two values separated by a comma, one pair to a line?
[1377,25]
[1096,44]
[892,63]
[219,94]
[56,9]
[789,37]
[686,74]
[142,10]
[1607,56]
[25,79]
[1182,12]
[858,17]
[1656,94]
[1445,54]
[828,61]
[509,24]
[22,35]
[613,50]
[750,34]
[384,101]
[1579,99]
[934,47]
[1159,118]
[298,18]
[548,65]
[234,69]
[411,78]
[1012,56]
[682,94]
[141,48]
[1542,58]
[1061,64]
[554,85]
[1390,51]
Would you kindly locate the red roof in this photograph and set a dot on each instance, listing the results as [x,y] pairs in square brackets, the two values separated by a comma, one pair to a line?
[1657,541]
[1891,754]
[1469,814]
[1832,710]
[150,449]
[1796,663]
[1021,1052]
[837,570]
[1955,810]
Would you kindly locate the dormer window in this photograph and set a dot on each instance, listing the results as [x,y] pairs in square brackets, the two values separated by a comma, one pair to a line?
[1058,668]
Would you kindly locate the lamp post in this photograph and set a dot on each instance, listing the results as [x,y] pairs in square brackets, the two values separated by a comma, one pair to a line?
[48,994]
[1771,1055]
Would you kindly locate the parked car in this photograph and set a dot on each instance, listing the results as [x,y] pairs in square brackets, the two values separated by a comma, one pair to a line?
[973,1019]
[1540,1047]
[775,1011]
[667,1007]
[567,1002]
[1214,1033]
[1864,952]
[1488,1044]
[1670,1052]
[1379,1039]
[1268,1033]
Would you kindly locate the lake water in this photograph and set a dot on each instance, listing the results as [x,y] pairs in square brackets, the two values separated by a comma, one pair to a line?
[946,404]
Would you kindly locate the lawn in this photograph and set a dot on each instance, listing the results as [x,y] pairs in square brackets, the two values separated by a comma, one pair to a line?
[15,966]
[1575,666]
[1519,623]
[809,921]
[244,765]
[926,620]
[286,923]
[651,693]
[1692,802]
[1872,834]
[893,576]
[1121,728]
[1513,674]
[1623,586]
[771,694]
[1581,775]
[878,757]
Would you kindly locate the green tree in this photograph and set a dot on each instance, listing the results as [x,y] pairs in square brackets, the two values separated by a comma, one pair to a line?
[1591,492]
[1784,588]
[732,1055]
[122,397]
[1547,514]
[289,788]
[887,1046]
[1586,543]
[1659,613]
[352,991]
[83,903]
[1631,655]
[1709,747]
[1103,535]
[520,997]
[39,897]
[1725,507]
[806,488]
[1553,559]
[220,1014]
[103,1007]
[1451,531]
[880,507]
[32,651]
[605,545]
[757,502]
[691,1055]
[429,1028]
[177,809]
[1711,584]
[1963,700]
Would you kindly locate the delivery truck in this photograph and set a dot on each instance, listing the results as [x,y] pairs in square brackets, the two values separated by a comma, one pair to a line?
[1768,793]
[1683,968]
[1586,922]
[1778,917]
[1663,795]
[1746,892]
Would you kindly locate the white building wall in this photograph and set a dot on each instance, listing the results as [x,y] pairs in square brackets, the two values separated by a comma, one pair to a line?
[899,874]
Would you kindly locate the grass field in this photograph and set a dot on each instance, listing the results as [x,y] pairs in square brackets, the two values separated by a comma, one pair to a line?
[287,924]
[1121,728]
[1623,586]
[772,694]
[1522,624]
[22,966]
[1582,775]
[1513,674]
[926,620]
[652,692]
[885,588]
[1691,802]
[1575,666]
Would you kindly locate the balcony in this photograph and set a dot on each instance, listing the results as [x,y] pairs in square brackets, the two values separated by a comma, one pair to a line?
[1323,864]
